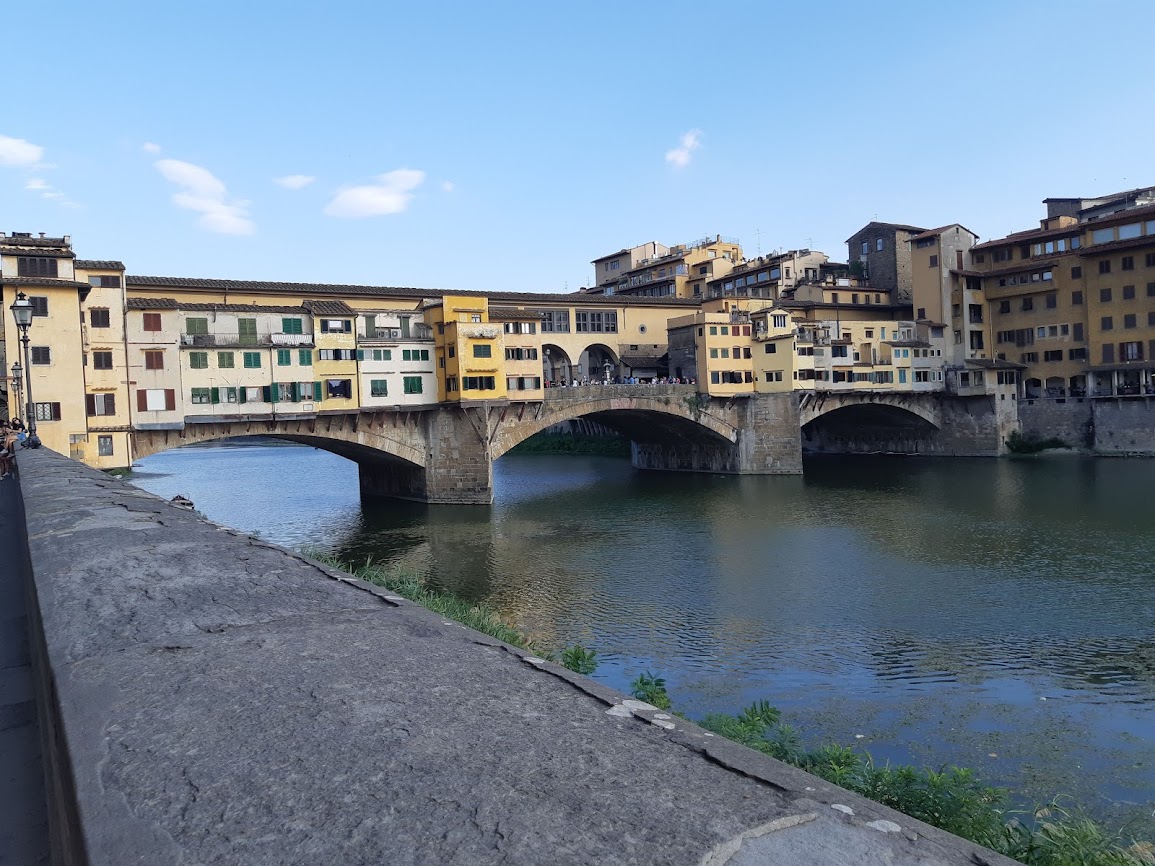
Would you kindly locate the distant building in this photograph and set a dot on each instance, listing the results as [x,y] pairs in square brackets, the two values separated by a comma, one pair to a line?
[880,253]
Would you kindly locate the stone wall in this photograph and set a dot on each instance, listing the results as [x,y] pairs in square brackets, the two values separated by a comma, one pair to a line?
[1124,426]
[1068,419]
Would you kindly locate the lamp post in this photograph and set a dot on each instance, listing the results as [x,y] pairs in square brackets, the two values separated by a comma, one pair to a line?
[18,386]
[22,313]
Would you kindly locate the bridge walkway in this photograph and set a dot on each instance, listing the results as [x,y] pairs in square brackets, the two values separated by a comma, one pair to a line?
[23,811]
[227,701]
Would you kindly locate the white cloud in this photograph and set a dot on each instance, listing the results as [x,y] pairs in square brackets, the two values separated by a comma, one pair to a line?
[448,186]
[391,194]
[36,183]
[680,156]
[202,192]
[294,181]
[150,147]
[17,151]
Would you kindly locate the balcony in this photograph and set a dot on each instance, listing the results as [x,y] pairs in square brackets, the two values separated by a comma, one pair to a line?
[243,341]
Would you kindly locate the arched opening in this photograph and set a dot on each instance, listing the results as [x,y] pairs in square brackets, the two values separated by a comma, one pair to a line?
[870,428]
[1079,386]
[1056,386]
[1033,388]
[598,363]
[556,366]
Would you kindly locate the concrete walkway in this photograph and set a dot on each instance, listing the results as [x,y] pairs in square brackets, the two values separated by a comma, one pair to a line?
[227,702]
[23,815]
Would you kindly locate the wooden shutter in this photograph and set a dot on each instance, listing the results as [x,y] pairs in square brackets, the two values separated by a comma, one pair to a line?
[266,393]
[242,394]
[169,399]
[317,391]
[360,354]
[215,395]
[109,404]
[142,400]
[90,404]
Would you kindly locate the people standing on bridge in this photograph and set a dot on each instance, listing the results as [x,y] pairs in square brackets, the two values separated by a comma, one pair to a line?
[7,450]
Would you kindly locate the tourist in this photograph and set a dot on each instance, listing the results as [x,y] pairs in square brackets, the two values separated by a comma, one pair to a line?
[7,450]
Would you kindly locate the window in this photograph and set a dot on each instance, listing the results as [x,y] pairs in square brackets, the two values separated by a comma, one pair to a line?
[247,332]
[201,396]
[48,411]
[1129,320]
[378,388]
[713,353]
[36,267]
[1128,263]
[152,321]
[412,384]
[1030,357]
[423,354]
[475,318]
[934,261]
[336,326]
[1151,318]
[252,360]
[1128,293]
[865,247]
[156,400]
[225,360]
[1053,355]
[305,357]
[41,355]
[1028,304]
[597,322]
[555,321]
[100,404]
[291,326]
[105,282]
[1004,306]
[1076,299]
[154,359]
[102,360]
[196,326]
[1104,295]
[1131,351]
[1077,354]
[338,388]
[477,383]
[98,318]
[1151,290]
[198,360]
[1077,333]
[1077,272]
[284,357]
[878,245]
[104,446]
[382,354]
[1105,266]
[1052,301]
[1106,323]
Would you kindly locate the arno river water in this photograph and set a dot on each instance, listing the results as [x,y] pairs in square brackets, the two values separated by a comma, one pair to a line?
[994,614]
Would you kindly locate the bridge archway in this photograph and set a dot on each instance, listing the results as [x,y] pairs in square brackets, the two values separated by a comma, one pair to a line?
[871,427]
[599,362]
[556,365]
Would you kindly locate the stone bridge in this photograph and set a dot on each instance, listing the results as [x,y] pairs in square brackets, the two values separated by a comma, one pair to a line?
[445,453]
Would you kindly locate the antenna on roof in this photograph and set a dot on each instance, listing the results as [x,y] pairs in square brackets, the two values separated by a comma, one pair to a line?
[758,234]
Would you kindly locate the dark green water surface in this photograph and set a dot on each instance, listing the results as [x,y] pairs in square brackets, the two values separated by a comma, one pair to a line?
[998,615]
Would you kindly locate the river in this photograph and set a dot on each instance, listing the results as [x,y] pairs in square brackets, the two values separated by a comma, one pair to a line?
[993,614]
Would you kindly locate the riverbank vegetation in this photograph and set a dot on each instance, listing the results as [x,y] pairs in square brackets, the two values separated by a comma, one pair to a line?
[569,443]
[1017,443]
[950,798]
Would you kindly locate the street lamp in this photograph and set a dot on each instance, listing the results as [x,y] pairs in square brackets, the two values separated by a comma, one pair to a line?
[18,385]
[22,313]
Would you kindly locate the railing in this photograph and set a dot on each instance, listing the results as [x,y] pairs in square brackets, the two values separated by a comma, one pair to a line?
[585,392]
[245,341]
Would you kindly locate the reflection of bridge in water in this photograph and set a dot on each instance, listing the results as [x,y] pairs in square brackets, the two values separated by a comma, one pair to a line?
[445,453]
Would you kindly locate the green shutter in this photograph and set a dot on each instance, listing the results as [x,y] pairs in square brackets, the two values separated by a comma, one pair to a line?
[405,327]
[267,394]
[215,395]
[306,357]
[360,354]
[242,394]
[317,391]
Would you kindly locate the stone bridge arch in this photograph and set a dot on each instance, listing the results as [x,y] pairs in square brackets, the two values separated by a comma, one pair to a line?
[666,415]
[361,437]
[926,407]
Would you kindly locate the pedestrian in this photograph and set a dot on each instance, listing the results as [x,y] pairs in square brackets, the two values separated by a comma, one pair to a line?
[7,450]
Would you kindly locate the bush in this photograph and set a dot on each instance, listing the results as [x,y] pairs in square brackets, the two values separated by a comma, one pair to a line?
[580,660]
[1017,443]
[652,690]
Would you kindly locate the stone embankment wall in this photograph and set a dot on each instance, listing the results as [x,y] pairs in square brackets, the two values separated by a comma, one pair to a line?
[213,698]
[1105,425]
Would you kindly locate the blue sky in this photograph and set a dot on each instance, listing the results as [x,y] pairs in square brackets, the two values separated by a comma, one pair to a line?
[501,146]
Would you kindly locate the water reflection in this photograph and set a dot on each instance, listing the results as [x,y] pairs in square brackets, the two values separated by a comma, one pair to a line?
[945,610]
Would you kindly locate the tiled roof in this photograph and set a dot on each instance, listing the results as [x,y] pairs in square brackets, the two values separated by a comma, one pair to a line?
[240,308]
[902,227]
[513,313]
[642,361]
[329,308]
[19,241]
[151,304]
[1012,269]
[99,265]
[1030,235]
[936,232]
[1129,243]
[9,249]
[43,281]
[306,289]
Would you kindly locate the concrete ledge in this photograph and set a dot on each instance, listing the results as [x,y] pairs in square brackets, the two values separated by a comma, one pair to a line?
[221,700]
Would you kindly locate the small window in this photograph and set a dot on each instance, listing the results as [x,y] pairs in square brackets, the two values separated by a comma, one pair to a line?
[196,326]
[252,360]
[878,245]
[104,446]
[1104,295]
[482,350]
[305,357]
[1128,263]
[1106,323]
[1105,266]
[102,360]
[198,360]
[47,411]
[934,261]
[1128,293]
[284,357]
[379,388]
[98,318]
[1129,320]
[41,355]
[412,384]
[1077,272]
[225,360]
[154,360]
[152,321]
[291,326]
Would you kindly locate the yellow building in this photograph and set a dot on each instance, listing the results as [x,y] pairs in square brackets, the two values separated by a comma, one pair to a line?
[335,365]
[522,347]
[715,350]
[670,274]
[43,270]
[470,357]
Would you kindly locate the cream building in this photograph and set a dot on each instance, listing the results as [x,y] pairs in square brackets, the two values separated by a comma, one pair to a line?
[395,358]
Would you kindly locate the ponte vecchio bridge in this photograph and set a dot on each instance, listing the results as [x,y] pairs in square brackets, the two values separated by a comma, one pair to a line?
[445,453]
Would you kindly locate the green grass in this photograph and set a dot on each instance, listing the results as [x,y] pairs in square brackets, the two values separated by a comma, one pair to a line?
[1017,443]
